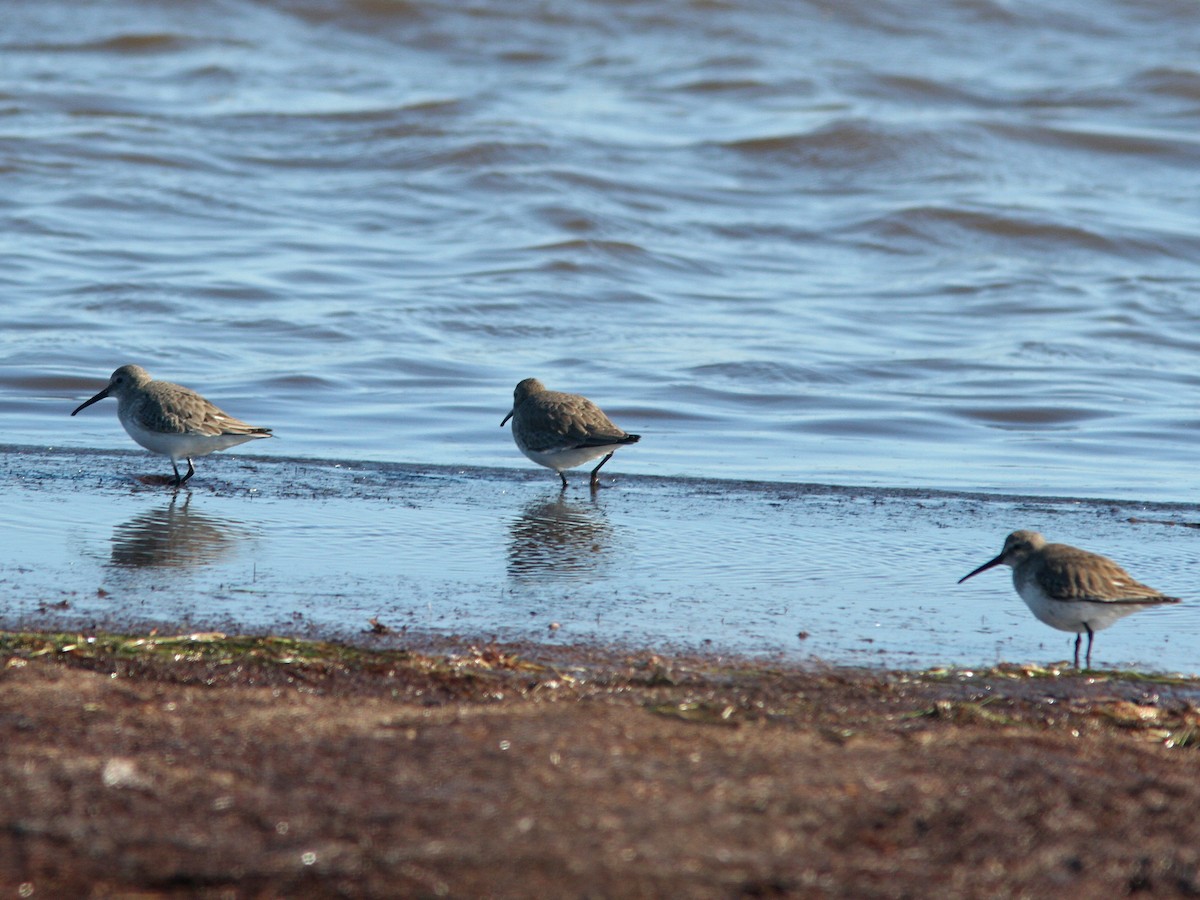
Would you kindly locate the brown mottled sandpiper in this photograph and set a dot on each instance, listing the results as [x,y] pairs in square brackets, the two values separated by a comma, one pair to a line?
[172,420]
[561,431]
[1071,589]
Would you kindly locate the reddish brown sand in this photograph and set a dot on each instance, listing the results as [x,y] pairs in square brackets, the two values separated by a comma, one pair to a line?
[272,768]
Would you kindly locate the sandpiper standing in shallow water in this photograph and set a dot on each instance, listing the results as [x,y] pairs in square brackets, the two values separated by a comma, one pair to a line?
[172,420]
[1071,589]
[561,431]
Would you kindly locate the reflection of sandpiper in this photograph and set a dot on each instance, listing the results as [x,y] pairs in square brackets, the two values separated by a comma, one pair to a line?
[172,536]
[562,431]
[557,537]
[172,420]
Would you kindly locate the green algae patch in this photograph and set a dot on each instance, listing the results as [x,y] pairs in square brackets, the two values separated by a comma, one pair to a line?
[212,646]
[964,712]
[685,689]
[213,658]
[698,712]
[1062,670]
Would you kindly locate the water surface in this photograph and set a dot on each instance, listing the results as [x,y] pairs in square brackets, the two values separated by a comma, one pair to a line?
[840,575]
[941,248]
[894,244]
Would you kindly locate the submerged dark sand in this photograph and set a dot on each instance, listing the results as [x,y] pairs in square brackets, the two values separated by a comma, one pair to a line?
[272,767]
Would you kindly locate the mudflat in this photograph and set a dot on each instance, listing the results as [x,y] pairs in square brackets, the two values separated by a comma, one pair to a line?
[207,765]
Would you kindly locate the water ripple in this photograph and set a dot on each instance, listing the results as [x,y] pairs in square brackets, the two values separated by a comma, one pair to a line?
[954,249]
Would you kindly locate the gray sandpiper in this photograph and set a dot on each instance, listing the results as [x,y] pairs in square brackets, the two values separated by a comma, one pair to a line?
[1071,589]
[172,420]
[561,431]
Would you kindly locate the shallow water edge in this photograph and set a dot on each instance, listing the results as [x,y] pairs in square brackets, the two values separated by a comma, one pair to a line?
[842,575]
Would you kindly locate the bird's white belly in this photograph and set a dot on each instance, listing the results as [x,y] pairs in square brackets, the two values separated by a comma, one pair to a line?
[1067,615]
[182,446]
[567,458]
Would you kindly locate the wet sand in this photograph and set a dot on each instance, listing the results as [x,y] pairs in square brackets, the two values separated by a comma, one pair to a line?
[860,576]
[208,766]
[446,751]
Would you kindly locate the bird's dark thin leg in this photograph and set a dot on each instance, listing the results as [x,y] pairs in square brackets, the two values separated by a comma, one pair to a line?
[1078,638]
[564,480]
[596,477]
[191,471]
[178,480]
[1091,634]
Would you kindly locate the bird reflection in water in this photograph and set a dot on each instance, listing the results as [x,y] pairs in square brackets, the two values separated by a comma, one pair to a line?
[556,537]
[172,536]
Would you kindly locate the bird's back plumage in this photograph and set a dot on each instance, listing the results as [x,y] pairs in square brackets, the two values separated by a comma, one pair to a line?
[553,420]
[173,409]
[1068,574]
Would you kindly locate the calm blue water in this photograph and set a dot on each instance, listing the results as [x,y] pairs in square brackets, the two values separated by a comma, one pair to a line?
[949,245]
[836,575]
[897,244]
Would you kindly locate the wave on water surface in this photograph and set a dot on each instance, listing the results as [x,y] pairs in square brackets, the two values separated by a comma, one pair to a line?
[837,243]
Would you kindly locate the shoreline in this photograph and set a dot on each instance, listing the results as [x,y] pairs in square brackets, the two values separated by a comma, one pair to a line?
[852,576]
[317,477]
[231,765]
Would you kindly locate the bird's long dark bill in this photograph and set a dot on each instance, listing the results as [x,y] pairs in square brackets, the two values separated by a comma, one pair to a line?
[987,565]
[86,403]
[503,421]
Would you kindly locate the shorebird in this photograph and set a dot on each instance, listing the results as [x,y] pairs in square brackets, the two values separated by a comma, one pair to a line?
[172,420]
[561,431]
[1071,589]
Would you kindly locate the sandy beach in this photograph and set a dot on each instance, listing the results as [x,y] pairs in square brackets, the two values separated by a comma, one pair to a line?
[208,765]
